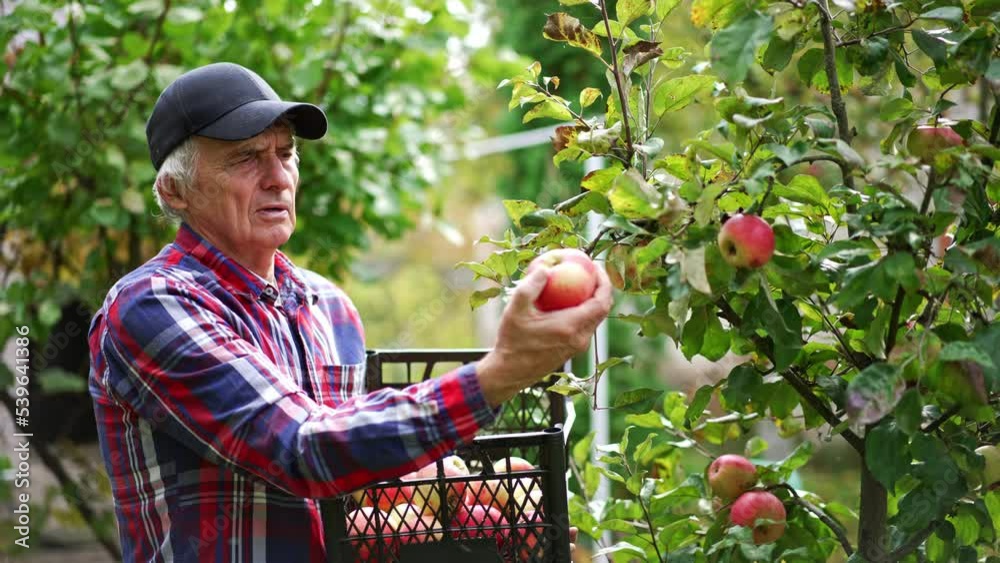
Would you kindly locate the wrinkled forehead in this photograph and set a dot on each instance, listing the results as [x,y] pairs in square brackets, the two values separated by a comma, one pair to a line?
[278,135]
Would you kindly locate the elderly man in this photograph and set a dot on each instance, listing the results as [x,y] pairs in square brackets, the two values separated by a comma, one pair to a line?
[228,383]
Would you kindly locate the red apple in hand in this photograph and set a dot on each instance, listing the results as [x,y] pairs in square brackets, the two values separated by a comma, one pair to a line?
[759,504]
[925,141]
[731,475]
[746,241]
[572,278]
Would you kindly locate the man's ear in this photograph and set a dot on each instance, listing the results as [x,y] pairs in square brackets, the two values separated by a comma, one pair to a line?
[170,194]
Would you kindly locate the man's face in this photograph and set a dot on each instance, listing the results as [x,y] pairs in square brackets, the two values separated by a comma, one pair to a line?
[244,192]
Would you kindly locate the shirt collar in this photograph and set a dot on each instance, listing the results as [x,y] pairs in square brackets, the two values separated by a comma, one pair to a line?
[239,279]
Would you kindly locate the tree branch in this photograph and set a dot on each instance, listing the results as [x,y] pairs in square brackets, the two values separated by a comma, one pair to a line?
[830,522]
[616,70]
[830,62]
[793,379]
[885,31]
[942,419]
[914,542]
[338,48]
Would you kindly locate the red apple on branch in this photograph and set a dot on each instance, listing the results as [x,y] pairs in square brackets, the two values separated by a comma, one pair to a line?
[731,475]
[926,141]
[746,241]
[572,278]
[759,505]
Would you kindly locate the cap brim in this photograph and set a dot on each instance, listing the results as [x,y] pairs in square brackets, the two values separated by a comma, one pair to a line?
[252,118]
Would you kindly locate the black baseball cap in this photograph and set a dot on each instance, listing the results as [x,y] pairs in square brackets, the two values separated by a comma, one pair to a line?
[222,101]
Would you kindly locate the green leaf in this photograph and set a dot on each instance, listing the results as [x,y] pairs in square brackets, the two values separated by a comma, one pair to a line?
[600,181]
[632,197]
[734,48]
[803,188]
[548,108]
[874,393]
[901,267]
[635,396]
[847,250]
[909,412]
[517,208]
[896,109]
[741,386]
[698,403]
[564,27]
[931,46]
[966,351]
[778,54]
[799,457]
[581,449]
[678,93]
[664,7]
[629,10]
[716,13]
[755,446]
[951,14]
[693,272]
[479,298]
[887,454]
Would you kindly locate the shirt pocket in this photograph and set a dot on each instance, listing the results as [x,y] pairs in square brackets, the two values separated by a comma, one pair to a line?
[338,383]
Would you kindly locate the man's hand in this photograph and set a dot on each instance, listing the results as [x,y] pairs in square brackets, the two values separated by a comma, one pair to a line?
[531,343]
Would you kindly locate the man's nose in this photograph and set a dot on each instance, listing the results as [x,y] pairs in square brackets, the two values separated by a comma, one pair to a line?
[277,173]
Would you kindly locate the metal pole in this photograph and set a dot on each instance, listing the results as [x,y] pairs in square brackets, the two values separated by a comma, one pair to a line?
[600,422]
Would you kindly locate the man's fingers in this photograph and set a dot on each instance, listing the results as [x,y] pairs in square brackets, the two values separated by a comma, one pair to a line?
[529,288]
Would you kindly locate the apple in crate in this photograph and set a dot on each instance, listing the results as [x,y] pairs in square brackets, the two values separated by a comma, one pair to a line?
[526,538]
[363,522]
[480,522]
[412,525]
[387,497]
[524,491]
[429,495]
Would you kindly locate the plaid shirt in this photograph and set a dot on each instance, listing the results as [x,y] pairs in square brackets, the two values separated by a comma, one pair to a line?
[222,416]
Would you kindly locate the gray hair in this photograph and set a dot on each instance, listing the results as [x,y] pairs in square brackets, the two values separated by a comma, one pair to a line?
[179,167]
[181,164]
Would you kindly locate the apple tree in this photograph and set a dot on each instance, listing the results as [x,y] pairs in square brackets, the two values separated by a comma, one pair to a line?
[844,142]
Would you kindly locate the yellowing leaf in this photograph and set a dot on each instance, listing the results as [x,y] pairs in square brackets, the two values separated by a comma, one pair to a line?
[632,197]
[564,27]
[629,10]
[716,13]
[548,108]
[588,96]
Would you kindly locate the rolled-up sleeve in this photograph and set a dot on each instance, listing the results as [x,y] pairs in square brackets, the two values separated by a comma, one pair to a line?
[184,363]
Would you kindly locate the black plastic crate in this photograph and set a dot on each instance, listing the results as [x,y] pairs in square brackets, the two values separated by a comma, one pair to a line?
[532,526]
[532,409]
